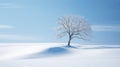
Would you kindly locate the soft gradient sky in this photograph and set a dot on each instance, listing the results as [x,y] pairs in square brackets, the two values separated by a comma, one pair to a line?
[35,20]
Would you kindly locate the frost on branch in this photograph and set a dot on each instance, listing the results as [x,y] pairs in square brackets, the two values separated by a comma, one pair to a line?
[73,27]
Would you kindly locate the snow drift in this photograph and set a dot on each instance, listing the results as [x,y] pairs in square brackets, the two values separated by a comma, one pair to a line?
[58,55]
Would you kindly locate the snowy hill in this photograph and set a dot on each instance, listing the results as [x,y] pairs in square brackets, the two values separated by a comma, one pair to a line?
[58,55]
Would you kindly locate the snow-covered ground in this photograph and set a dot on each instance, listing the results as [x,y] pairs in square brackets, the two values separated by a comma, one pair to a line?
[58,55]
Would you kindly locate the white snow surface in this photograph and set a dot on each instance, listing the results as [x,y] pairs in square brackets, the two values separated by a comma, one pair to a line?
[58,55]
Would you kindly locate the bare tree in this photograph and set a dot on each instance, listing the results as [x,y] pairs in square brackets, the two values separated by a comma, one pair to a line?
[74,27]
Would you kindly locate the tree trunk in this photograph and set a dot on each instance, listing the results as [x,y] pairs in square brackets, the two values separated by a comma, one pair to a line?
[69,42]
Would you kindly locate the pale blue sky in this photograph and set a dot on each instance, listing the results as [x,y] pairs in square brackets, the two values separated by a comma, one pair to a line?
[35,20]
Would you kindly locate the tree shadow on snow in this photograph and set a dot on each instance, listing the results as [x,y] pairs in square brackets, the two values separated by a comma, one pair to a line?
[50,52]
[72,47]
